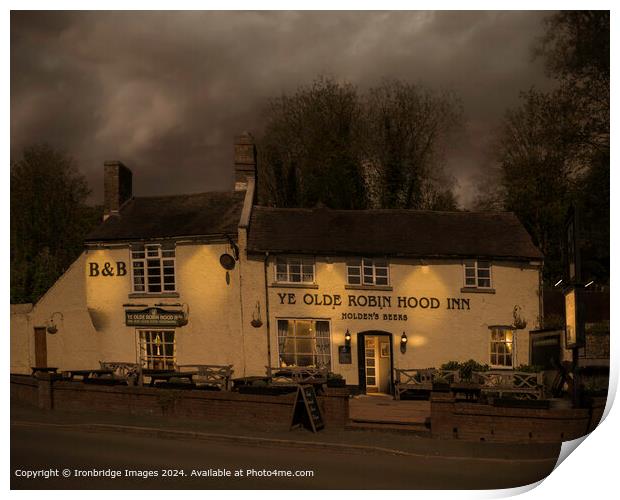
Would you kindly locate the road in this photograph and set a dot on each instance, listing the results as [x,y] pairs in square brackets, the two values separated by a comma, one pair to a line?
[49,448]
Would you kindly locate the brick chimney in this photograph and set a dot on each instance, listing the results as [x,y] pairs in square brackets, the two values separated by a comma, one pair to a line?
[245,160]
[117,187]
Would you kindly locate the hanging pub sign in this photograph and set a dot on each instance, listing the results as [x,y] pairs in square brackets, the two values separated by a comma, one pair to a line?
[154,316]
[575,328]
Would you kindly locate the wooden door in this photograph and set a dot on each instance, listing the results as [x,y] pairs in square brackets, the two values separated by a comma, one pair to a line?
[371,364]
[40,347]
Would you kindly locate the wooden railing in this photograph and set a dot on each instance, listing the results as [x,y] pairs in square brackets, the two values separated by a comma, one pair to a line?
[293,375]
[522,385]
[420,379]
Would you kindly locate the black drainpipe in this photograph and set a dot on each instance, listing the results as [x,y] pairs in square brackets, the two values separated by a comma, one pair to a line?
[267,317]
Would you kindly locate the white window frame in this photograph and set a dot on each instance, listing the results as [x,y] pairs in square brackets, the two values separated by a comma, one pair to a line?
[155,338]
[165,254]
[363,263]
[291,260]
[494,343]
[296,354]
[475,265]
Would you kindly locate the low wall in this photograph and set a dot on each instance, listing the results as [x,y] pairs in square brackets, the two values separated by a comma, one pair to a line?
[479,422]
[261,411]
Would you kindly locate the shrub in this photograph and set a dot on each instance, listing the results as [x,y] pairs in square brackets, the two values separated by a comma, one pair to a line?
[529,368]
[466,368]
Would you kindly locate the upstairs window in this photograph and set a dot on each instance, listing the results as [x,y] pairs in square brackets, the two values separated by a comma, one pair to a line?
[477,274]
[371,272]
[153,267]
[294,270]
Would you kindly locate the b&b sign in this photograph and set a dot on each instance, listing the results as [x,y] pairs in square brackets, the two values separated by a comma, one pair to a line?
[118,268]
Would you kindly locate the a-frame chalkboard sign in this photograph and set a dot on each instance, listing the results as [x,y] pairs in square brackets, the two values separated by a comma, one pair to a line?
[306,411]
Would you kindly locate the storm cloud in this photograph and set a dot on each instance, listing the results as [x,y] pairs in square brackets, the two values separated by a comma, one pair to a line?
[165,92]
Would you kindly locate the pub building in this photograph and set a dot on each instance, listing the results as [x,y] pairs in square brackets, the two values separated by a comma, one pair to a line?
[214,278]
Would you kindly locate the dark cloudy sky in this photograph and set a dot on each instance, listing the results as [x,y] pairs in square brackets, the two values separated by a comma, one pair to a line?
[166,92]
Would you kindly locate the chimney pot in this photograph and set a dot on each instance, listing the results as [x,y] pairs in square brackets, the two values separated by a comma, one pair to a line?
[117,187]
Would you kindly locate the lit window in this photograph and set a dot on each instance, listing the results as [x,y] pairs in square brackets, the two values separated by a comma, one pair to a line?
[153,267]
[157,349]
[304,343]
[371,272]
[477,274]
[294,270]
[502,347]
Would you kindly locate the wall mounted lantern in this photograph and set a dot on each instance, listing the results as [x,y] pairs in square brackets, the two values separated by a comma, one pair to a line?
[403,343]
[347,338]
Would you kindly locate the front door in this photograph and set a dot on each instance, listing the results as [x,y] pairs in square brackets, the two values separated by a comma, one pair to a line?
[372,382]
[375,362]
[40,347]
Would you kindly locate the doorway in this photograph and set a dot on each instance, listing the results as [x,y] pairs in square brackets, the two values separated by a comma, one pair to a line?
[375,356]
[40,347]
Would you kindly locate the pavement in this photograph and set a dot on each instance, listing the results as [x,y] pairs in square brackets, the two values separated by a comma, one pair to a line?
[355,441]
[69,456]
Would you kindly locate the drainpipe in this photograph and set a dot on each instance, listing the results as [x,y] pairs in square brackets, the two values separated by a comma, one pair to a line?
[267,315]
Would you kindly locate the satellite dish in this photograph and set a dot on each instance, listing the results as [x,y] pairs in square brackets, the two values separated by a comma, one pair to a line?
[227,261]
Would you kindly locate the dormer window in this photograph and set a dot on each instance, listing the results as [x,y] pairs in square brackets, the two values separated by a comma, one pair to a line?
[153,267]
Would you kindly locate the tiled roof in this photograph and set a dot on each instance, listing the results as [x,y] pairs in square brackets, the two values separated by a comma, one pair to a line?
[204,214]
[390,232]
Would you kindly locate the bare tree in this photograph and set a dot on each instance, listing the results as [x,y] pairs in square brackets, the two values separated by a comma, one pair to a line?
[327,144]
[406,129]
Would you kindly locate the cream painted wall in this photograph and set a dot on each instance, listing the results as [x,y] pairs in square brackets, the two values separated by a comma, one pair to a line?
[212,335]
[435,335]
[219,331]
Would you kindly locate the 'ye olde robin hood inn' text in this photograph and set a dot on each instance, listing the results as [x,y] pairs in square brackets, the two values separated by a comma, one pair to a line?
[214,278]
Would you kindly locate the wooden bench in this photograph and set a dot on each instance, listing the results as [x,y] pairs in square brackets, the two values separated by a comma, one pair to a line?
[521,385]
[295,375]
[91,375]
[420,379]
[123,371]
[218,376]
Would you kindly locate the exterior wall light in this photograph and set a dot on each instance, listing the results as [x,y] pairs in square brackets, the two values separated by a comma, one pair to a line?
[347,337]
[403,343]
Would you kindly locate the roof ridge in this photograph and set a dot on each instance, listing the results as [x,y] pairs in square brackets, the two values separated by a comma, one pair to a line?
[384,210]
[186,195]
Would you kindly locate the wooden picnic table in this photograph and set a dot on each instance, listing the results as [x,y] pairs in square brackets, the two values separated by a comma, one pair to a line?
[43,369]
[95,373]
[470,390]
[245,381]
[168,374]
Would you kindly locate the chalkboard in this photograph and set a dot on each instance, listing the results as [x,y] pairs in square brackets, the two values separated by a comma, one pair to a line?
[306,411]
[344,354]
